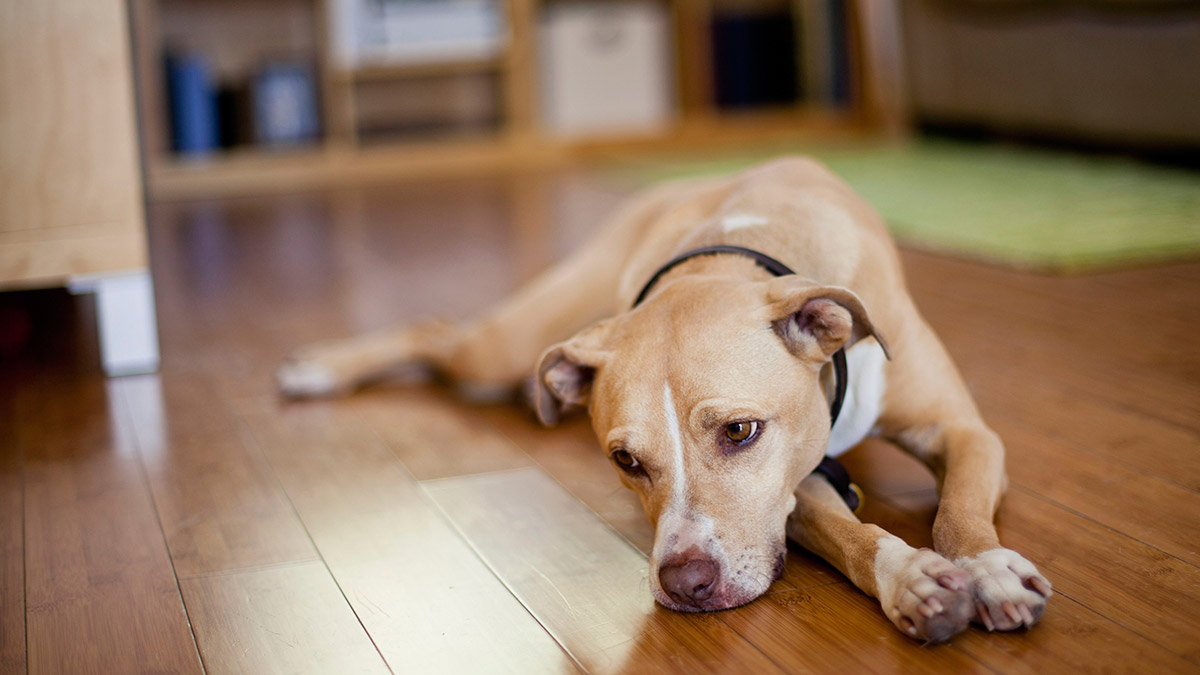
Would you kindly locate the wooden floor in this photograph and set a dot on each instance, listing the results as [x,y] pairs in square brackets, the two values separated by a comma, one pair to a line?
[191,521]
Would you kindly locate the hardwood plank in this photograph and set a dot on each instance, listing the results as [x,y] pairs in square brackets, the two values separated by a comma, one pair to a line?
[1070,638]
[1117,594]
[1092,425]
[12,553]
[220,506]
[432,433]
[1098,576]
[882,469]
[838,629]
[572,456]
[1161,514]
[1097,418]
[1077,479]
[288,619]
[1129,367]
[915,530]
[428,603]
[99,584]
[585,584]
[1139,587]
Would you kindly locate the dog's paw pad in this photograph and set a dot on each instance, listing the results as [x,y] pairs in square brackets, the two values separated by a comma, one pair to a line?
[929,598]
[304,378]
[1009,592]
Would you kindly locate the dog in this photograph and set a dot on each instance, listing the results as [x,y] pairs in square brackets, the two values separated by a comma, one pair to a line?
[712,393]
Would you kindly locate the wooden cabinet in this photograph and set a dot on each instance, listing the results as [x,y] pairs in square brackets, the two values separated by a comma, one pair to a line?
[71,206]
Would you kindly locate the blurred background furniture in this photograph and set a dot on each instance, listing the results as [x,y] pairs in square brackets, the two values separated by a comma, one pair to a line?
[1102,72]
[71,208]
[421,87]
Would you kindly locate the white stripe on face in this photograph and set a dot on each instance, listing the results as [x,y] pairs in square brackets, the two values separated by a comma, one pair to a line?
[679,527]
[678,482]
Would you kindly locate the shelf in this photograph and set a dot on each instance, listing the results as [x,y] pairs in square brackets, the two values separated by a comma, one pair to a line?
[348,96]
[418,69]
[256,171]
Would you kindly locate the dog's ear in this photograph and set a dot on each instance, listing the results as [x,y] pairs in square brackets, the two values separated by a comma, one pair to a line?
[563,381]
[815,321]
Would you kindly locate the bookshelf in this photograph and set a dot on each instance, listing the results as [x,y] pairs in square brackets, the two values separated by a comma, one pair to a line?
[508,136]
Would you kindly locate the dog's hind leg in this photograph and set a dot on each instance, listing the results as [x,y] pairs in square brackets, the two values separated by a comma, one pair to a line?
[923,594]
[491,355]
[929,412]
[335,367]
[485,358]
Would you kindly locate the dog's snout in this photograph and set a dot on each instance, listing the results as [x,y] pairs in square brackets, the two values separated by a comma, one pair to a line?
[691,582]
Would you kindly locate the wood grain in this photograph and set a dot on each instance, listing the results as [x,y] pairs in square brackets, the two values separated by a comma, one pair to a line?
[581,581]
[219,504]
[432,434]
[1122,584]
[12,535]
[836,628]
[572,456]
[98,582]
[1135,585]
[289,619]
[1070,638]
[1085,484]
[427,601]
[1086,422]
[1126,368]
[70,148]
[882,469]
[1102,459]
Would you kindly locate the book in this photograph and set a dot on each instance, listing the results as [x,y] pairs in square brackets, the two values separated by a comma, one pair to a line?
[191,99]
[285,104]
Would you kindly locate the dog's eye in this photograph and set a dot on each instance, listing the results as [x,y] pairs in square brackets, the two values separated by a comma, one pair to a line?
[741,432]
[626,462]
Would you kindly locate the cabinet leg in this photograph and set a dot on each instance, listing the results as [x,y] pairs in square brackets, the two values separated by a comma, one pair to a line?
[127,325]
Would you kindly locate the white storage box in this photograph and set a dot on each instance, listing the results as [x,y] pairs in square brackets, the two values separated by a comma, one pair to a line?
[389,32]
[605,68]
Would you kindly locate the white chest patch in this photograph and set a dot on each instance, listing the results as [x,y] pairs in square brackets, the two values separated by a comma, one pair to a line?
[737,221]
[864,397]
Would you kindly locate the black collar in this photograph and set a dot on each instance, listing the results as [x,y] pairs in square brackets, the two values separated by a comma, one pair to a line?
[829,467]
[840,371]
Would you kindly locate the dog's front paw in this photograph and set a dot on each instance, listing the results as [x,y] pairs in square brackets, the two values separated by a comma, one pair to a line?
[1009,592]
[924,594]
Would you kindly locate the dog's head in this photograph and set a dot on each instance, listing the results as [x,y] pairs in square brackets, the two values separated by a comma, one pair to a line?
[709,400]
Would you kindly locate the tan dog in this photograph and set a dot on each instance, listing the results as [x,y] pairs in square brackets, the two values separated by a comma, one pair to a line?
[712,396]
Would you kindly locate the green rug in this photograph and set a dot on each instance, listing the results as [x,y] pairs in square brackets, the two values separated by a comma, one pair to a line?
[1032,209]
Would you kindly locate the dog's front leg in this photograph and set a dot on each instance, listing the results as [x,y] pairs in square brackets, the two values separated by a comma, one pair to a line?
[968,459]
[929,412]
[922,593]
[486,357]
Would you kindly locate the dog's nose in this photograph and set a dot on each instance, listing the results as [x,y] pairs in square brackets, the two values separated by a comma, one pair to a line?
[691,582]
